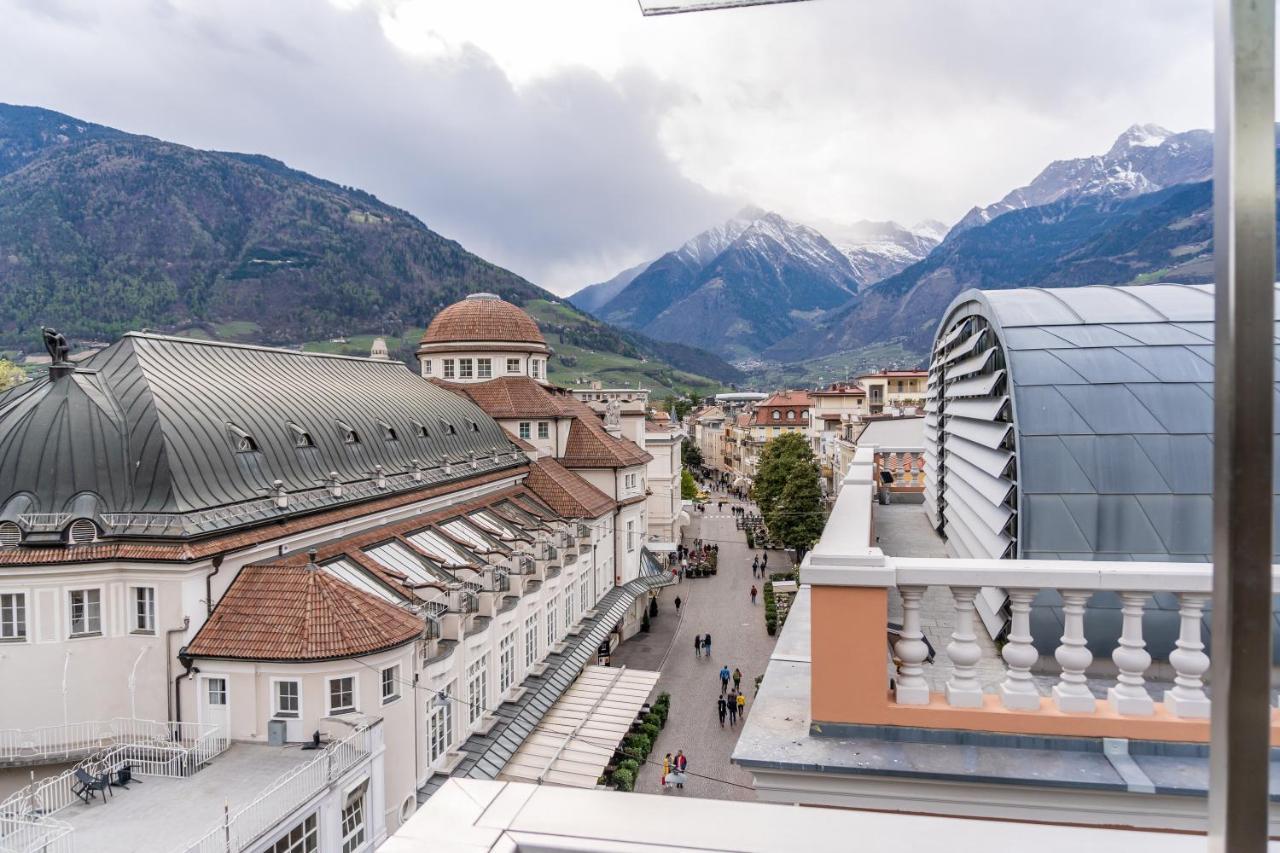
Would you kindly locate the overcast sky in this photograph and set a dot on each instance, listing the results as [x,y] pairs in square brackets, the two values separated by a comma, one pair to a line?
[568,139]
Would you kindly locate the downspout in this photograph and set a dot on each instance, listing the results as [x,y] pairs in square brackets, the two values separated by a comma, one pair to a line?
[168,669]
[208,583]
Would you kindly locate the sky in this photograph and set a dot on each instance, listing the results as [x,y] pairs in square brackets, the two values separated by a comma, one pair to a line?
[569,139]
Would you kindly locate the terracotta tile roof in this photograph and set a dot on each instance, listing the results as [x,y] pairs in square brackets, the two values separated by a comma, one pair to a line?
[786,398]
[590,446]
[295,613]
[483,317]
[565,492]
[520,442]
[509,397]
[224,543]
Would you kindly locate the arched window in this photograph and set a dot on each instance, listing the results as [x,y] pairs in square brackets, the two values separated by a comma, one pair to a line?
[301,438]
[82,532]
[791,415]
[10,534]
[241,440]
[388,431]
[348,433]
[777,416]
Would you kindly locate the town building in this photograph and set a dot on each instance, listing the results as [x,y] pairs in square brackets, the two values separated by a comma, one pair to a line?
[707,431]
[228,551]
[837,411]
[894,389]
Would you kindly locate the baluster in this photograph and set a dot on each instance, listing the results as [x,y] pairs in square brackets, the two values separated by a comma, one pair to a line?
[1130,695]
[1187,698]
[1018,690]
[911,687]
[963,689]
[1071,693]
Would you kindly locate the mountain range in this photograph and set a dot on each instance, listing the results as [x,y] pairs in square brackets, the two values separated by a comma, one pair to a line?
[102,231]
[762,289]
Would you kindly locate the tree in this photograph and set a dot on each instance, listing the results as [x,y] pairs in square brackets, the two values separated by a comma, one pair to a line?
[787,491]
[691,455]
[688,488]
[10,374]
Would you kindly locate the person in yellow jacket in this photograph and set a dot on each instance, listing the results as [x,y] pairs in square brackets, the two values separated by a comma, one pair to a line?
[742,704]
[666,770]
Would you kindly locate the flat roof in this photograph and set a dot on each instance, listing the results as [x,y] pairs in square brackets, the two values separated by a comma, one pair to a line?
[894,433]
[157,814]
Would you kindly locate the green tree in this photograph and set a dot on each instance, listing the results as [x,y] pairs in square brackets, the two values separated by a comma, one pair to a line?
[688,488]
[10,374]
[778,460]
[691,455]
[787,491]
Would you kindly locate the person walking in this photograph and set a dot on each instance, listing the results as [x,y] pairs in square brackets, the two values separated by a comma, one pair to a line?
[753,597]
[706,645]
[742,705]
[722,707]
[681,764]
[724,679]
[697,645]
[678,604]
[666,771]
[755,565]
[733,710]
[737,679]
[764,564]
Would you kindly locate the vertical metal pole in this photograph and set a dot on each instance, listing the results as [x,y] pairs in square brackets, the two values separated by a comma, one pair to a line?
[1244,262]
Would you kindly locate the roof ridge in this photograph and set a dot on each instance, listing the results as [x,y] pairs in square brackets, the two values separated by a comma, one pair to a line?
[179,339]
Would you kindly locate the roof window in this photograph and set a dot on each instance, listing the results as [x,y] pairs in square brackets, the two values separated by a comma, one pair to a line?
[420,430]
[241,440]
[475,427]
[10,534]
[447,427]
[301,438]
[388,431]
[82,532]
[348,433]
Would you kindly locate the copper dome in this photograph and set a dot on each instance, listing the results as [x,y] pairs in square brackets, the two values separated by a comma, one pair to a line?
[483,317]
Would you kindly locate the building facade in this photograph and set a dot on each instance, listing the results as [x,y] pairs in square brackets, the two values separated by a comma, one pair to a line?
[894,389]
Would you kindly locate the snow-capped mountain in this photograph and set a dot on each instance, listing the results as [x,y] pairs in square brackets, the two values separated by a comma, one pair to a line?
[878,250]
[737,287]
[1144,159]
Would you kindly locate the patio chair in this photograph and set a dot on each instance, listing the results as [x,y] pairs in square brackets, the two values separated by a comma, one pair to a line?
[86,784]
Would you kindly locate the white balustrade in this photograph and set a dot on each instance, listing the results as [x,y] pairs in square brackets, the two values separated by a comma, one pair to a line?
[1130,696]
[1187,698]
[1018,690]
[963,689]
[911,687]
[1071,694]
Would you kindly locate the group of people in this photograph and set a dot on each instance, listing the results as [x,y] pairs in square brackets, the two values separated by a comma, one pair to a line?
[760,567]
[673,770]
[702,645]
[732,703]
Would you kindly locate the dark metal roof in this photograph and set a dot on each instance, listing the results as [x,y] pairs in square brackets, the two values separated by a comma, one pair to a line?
[172,437]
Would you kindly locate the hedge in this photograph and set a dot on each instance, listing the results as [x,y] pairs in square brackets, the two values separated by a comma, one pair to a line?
[624,779]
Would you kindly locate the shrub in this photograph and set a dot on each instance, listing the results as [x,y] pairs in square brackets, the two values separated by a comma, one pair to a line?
[624,780]
[653,718]
[630,765]
[638,746]
[651,731]
[751,540]
[771,624]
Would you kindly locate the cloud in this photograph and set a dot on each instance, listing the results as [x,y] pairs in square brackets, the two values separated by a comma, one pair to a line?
[568,140]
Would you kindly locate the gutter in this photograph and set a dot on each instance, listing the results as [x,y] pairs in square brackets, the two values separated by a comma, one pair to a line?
[168,669]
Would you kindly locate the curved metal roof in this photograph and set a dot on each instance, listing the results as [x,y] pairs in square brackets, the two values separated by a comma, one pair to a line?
[175,437]
[1112,409]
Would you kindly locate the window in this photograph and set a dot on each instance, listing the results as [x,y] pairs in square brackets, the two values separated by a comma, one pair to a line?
[629,481]
[342,694]
[534,367]
[303,838]
[477,689]
[287,698]
[241,440]
[568,610]
[144,610]
[440,723]
[524,430]
[217,690]
[420,430]
[551,623]
[506,662]
[390,684]
[544,429]
[631,535]
[301,438]
[448,368]
[388,431]
[464,368]
[777,416]
[484,368]
[791,415]
[353,819]
[13,616]
[82,532]
[86,612]
[10,534]
[584,595]
[513,365]
[804,415]
[531,641]
[426,367]
[348,433]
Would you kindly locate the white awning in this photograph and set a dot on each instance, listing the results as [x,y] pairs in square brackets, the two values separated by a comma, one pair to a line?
[660,547]
[576,738]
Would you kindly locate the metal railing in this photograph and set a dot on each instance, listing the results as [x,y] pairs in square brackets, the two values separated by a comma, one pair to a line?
[241,828]
[149,747]
[27,835]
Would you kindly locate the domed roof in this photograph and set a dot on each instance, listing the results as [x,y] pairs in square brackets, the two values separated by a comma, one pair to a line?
[483,317]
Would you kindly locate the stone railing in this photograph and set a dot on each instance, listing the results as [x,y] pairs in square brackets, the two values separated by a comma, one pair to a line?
[859,678]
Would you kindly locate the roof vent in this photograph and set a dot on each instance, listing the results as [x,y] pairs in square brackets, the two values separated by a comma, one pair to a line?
[301,438]
[388,431]
[311,560]
[241,440]
[349,434]
[483,296]
[82,532]
[417,470]
[10,534]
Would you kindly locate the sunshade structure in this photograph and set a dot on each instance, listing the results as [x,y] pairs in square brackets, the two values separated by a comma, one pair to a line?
[577,737]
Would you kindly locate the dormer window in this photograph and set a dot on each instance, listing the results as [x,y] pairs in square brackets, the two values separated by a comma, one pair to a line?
[348,433]
[301,438]
[475,427]
[241,440]
[82,532]
[388,431]
[10,534]
[420,430]
[447,427]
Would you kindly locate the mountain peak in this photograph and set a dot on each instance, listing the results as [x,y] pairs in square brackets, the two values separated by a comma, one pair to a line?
[1139,136]
[751,212]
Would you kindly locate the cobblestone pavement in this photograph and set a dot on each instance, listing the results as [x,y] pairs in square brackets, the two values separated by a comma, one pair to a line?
[719,605]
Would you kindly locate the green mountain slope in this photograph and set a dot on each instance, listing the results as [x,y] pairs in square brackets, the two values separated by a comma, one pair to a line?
[103,231]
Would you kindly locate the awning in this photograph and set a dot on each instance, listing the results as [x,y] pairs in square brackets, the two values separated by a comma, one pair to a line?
[661,547]
[578,735]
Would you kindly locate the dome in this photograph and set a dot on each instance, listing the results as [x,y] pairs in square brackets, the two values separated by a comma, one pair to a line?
[483,317]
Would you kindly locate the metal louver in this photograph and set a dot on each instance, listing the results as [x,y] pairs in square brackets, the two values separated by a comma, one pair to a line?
[970,458]
[10,535]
